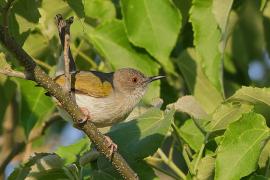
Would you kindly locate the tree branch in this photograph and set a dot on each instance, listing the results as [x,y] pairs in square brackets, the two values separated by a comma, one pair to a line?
[38,75]
[12,73]
[17,148]
[64,34]
[5,13]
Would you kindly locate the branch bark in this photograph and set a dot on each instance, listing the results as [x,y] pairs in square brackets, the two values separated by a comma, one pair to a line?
[36,74]
[12,73]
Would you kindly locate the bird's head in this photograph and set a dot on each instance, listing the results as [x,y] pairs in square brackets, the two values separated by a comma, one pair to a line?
[132,82]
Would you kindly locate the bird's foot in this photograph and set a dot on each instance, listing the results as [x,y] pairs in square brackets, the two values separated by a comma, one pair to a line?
[86,116]
[113,147]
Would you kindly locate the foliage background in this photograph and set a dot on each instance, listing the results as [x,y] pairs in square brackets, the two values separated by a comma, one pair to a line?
[208,49]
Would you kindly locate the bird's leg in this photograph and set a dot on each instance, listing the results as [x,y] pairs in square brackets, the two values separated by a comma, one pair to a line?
[113,147]
[86,115]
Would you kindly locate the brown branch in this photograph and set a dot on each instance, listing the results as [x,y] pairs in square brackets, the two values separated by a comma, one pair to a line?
[17,148]
[39,76]
[9,126]
[12,73]
[64,34]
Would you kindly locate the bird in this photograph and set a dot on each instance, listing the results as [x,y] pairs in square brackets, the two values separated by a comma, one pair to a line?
[107,98]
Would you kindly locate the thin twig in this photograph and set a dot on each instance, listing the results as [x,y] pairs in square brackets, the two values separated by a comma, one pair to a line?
[171,164]
[43,64]
[39,76]
[12,73]
[154,163]
[5,13]
[17,148]
[186,158]
[198,158]
[36,133]
[64,34]
[9,126]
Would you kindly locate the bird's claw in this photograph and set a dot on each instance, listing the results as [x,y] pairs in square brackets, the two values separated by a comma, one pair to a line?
[113,147]
[86,114]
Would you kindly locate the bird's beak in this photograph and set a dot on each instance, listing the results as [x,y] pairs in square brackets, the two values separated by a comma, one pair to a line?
[153,78]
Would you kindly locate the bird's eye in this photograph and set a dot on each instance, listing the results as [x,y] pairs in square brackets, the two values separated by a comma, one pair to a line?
[134,79]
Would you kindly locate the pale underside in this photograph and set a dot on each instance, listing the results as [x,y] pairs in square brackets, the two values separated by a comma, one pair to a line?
[105,111]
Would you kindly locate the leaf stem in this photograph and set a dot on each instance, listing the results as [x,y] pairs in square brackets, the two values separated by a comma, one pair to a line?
[153,162]
[171,164]
[43,64]
[85,57]
[267,168]
[198,158]
[186,158]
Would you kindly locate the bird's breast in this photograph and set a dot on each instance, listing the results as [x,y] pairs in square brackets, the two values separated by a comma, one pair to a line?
[109,110]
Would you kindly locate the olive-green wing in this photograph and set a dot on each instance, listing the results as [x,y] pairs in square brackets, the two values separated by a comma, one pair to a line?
[88,83]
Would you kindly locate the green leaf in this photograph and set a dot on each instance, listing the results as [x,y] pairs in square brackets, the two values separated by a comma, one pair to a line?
[28,9]
[7,91]
[258,177]
[184,7]
[36,44]
[239,151]
[77,6]
[265,155]
[153,25]
[226,114]
[141,137]
[252,95]
[111,42]
[206,40]
[191,134]
[198,83]
[43,166]
[35,105]
[206,168]
[137,139]
[101,175]
[71,152]
[189,105]
[3,62]
[102,10]
[221,10]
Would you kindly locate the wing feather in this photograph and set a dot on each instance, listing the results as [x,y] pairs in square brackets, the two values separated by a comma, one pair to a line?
[89,83]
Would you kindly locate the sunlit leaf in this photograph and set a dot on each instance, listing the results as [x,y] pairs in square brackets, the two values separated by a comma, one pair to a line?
[111,41]
[77,6]
[102,10]
[252,95]
[35,105]
[143,18]
[226,114]
[265,155]
[221,10]
[71,152]
[189,105]
[240,149]
[206,168]
[191,134]
[206,40]
[199,85]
